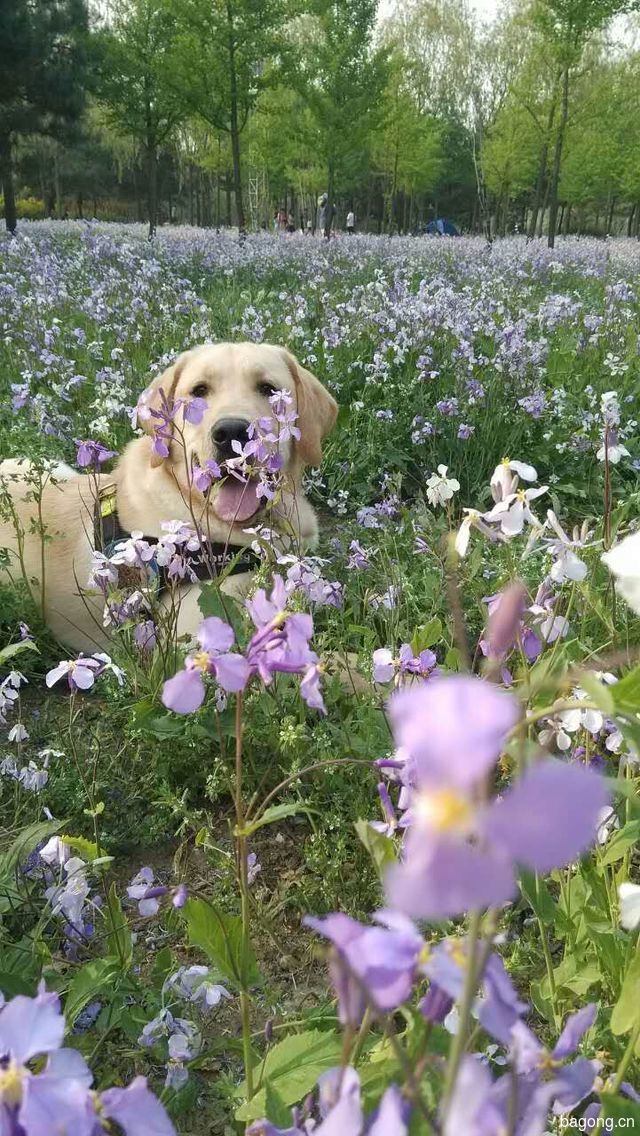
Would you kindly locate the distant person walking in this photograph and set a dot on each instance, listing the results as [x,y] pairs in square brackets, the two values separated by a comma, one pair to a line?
[351,222]
[322,212]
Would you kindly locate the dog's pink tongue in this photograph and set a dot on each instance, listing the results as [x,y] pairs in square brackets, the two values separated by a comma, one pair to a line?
[237,500]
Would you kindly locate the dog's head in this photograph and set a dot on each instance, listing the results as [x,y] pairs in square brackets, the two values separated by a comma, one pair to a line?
[235,382]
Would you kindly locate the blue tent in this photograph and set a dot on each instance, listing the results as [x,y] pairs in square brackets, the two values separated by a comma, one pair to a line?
[442,228]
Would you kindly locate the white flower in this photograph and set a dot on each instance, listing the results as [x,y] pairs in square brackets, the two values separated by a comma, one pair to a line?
[506,476]
[567,565]
[513,511]
[473,520]
[623,561]
[55,851]
[441,488]
[606,822]
[18,733]
[629,906]
[613,453]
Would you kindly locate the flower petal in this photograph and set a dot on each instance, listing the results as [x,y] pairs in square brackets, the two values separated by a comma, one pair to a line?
[215,635]
[550,816]
[31,1026]
[453,727]
[137,1110]
[447,878]
[54,1105]
[574,1030]
[183,693]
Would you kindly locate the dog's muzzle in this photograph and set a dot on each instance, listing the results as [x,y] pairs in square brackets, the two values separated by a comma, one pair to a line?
[226,431]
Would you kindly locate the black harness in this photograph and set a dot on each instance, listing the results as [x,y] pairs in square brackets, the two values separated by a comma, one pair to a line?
[205,563]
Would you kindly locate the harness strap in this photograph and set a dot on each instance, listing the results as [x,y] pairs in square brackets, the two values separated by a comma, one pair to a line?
[206,562]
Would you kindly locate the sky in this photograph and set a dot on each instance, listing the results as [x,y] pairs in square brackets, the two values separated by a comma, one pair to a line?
[485,9]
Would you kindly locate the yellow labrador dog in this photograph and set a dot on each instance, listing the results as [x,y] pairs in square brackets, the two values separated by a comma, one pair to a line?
[236,381]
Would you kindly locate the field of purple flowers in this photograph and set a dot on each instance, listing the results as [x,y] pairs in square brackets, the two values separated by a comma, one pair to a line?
[411,755]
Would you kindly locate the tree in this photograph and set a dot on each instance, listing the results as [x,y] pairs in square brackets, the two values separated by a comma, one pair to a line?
[135,57]
[341,78]
[408,147]
[42,72]
[567,26]
[224,50]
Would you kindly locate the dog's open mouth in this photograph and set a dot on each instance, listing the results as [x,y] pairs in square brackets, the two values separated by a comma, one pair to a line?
[237,500]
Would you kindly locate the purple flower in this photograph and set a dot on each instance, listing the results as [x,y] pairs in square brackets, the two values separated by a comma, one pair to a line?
[148,894]
[498,1007]
[136,1110]
[281,642]
[358,556]
[58,1098]
[461,854]
[370,964]
[571,1083]
[505,617]
[81,673]
[185,692]
[92,454]
[204,476]
[194,410]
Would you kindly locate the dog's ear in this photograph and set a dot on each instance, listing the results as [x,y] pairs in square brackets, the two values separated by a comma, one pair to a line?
[163,387]
[317,411]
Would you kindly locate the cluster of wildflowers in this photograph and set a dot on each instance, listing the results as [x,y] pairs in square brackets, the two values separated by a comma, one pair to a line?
[280,645]
[32,776]
[147,893]
[59,1097]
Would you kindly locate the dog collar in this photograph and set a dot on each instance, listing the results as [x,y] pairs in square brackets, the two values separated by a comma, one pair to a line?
[210,560]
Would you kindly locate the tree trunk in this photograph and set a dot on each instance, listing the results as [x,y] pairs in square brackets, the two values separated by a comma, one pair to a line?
[331,182]
[611,212]
[6,171]
[630,220]
[227,187]
[152,188]
[79,206]
[557,158]
[542,172]
[561,218]
[234,124]
[567,220]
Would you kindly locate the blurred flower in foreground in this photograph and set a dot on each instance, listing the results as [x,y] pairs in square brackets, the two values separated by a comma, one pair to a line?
[623,561]
[462,851]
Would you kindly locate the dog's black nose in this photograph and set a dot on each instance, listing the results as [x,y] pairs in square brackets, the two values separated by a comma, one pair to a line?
[228,430]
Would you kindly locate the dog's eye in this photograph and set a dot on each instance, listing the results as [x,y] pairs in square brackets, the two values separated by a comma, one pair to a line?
[267,389]
[200,391]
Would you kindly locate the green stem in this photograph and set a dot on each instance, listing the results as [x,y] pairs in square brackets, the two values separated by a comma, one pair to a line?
[471,980]
[549,965]
[628,1054]
[243,882]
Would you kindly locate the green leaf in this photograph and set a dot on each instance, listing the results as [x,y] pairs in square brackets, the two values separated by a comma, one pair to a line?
[291,1069]
[626,693]
[119,942]
[163,965]
[273,814]
[12,984]
[276,1109]
[627,1008]
[620,843]
[220,937]
[211,602]
[619,1108]
[13,649]
[537,895]
[91,980]
[380,847]
[86,849]
[427,635]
